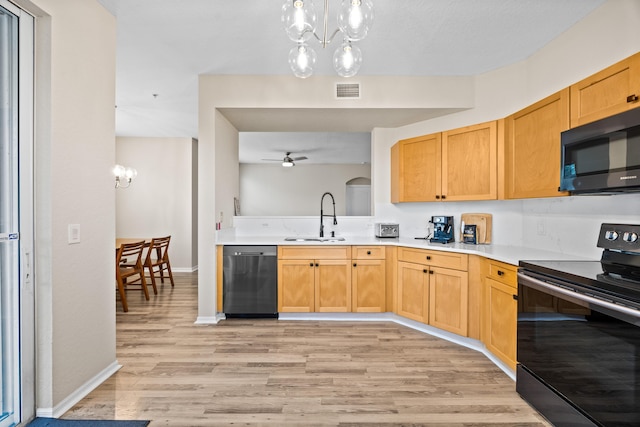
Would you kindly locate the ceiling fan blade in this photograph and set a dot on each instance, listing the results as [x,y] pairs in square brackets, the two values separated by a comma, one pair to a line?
[300,158]
[271,160]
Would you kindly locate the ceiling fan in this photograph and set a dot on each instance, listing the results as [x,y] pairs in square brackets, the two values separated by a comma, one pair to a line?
[288,161]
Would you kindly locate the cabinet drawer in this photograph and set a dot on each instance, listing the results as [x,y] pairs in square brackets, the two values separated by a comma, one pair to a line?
[503,273]
[367,252]
[314,252]
[443,259]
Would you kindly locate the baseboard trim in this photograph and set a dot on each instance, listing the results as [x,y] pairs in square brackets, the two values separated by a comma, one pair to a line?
[470,343]
[79,394]
[184,269]
[209,320]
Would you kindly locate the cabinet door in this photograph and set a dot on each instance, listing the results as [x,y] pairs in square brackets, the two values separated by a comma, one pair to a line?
[296,286]
[469,163]
[532,148]
[610,91]
[415,168]
[413,291]
[501,323]
[368,286]
[333,286]
[448,300]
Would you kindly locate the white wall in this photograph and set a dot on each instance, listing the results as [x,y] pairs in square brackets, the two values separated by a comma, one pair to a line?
[74,152]
[159,202]
[227,170]
[273,190]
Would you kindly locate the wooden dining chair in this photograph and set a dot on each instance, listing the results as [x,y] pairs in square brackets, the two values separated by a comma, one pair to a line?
[130,270]
[157,260]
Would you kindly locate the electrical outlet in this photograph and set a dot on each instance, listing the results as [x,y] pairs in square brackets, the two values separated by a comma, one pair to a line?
[74,233]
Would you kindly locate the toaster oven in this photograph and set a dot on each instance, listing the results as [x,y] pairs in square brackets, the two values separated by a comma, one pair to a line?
[387,230]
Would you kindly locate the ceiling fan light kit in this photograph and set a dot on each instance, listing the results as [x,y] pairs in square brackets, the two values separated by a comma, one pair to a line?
[287,161]
[299,19]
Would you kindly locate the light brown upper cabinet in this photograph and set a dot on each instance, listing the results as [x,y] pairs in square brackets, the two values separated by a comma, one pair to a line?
[610,91]
[532,148]
[415,169]
[459,164]
[469,163]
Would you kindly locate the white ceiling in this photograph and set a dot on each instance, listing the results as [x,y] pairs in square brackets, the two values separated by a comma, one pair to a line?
[163,45]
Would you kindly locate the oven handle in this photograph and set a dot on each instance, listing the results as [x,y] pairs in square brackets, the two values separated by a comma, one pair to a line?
[536,283]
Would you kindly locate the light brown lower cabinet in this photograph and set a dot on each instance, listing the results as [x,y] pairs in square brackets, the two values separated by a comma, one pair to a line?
[314,279]
[368,278]
[314,286]
[296,286]
[500,315]
[332,286]
[433,288]
[448,300]
[413,291]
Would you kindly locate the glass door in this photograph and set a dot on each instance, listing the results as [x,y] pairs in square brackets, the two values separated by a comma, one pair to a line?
[16,106]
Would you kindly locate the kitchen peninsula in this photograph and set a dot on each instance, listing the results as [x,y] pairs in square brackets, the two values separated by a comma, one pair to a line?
[460,292]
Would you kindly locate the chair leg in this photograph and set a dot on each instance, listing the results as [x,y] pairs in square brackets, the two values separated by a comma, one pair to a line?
[123,296]
[153,280]
[170,273]
[145,291]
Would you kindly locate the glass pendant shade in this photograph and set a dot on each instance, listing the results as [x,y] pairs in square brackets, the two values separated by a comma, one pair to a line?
[302,59]
[130,173]
[347,60]
[299,19]
[355,18]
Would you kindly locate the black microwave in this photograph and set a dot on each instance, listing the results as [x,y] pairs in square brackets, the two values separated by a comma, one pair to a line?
[603,156]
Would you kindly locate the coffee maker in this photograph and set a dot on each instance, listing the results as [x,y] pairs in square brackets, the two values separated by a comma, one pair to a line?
[442,229]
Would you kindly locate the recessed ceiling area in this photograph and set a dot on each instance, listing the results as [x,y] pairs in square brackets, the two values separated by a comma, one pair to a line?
[318,147]
[327,119]
[164,45]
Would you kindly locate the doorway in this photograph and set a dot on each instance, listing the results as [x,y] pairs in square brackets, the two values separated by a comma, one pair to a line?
[17,394]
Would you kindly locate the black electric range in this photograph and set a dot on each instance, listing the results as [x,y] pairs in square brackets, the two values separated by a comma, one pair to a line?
[587,277]
[579,334]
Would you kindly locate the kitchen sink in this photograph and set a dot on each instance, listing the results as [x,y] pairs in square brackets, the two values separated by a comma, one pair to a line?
[314,239]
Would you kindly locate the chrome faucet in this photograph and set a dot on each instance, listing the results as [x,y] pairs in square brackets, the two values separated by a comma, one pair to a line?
[322,215]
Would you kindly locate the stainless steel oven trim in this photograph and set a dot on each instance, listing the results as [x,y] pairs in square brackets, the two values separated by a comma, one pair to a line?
[557,290]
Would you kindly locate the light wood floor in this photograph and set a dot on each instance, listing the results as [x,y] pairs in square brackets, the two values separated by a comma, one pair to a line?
[284,373]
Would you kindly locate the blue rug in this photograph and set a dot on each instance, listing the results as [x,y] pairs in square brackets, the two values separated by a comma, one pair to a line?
[55,422]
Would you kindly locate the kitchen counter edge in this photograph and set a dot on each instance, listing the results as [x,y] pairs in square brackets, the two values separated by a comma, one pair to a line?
[508,254]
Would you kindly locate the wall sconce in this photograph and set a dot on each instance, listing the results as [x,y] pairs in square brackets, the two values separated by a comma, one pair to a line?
[124,176]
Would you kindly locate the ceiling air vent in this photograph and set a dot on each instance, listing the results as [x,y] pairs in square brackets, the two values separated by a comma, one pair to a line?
[348,90]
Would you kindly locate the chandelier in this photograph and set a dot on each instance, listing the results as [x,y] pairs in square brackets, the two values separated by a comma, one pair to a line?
[299,19]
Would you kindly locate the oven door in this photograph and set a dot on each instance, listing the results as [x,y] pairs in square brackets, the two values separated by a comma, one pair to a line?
[584,350]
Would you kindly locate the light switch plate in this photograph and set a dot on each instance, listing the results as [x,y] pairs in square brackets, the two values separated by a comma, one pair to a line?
[74,233]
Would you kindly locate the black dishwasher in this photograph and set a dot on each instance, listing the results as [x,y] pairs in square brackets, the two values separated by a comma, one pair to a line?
[250,281]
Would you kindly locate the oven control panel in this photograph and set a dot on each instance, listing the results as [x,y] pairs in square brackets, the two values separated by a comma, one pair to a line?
[620,237]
